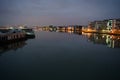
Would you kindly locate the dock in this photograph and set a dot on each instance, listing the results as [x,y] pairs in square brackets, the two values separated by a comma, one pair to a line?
[12,36]
[9,35]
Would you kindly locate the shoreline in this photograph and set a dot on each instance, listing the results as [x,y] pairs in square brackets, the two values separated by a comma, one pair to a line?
[101,32]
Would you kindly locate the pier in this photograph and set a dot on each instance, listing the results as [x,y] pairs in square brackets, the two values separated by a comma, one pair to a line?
[12,36]
[8,35]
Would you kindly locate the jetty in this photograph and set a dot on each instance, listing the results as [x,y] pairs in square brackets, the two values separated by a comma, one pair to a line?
[10,35]
[13,34]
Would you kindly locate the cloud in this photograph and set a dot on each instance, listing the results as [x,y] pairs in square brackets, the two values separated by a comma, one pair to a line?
[58,11]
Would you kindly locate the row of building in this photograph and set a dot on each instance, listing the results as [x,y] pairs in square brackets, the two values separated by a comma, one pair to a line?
[63,28]
[108,24]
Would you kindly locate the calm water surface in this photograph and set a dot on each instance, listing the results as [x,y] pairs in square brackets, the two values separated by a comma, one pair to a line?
[62,56]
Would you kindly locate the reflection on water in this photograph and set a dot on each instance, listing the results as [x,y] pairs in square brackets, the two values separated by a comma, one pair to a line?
[12,46]
[112,41]
[76,31]
[62,56]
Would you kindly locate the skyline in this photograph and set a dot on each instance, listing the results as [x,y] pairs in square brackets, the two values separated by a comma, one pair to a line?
[56,12]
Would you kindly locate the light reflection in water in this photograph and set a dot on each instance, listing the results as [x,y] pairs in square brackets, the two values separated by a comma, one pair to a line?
[111,41]
[12,46]
[51,55]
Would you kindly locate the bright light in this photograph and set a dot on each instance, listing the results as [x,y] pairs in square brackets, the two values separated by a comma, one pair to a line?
[88,29]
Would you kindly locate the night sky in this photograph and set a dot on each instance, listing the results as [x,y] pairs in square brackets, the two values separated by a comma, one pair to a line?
[57,12]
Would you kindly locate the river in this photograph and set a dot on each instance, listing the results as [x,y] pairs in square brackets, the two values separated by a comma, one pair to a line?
[62,56]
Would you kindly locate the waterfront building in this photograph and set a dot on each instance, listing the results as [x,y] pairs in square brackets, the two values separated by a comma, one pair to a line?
[113,24]
[62,28]
[108,24]
[98,25]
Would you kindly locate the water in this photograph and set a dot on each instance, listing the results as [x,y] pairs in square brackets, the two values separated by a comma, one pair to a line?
[62,56]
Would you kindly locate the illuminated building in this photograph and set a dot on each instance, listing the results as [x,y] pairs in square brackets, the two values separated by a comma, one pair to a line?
[98,25]
[108,24]
[113,24]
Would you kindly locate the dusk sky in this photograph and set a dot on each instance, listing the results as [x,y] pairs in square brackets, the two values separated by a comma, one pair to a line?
[57,12]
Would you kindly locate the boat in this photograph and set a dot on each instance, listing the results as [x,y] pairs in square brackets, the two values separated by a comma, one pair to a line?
[28,31]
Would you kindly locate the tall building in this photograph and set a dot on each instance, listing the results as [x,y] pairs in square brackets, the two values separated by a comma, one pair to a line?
[113,24]
[108,24]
